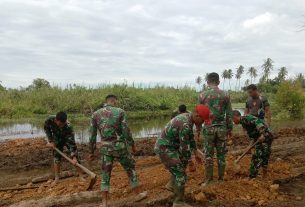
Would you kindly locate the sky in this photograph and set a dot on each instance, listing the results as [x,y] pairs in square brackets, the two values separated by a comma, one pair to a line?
[92,42]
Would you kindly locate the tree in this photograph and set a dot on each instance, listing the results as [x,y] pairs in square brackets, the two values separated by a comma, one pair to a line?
[301,79]
[1,87]
[253,73]
[224,75]
[267,68]
[283,72]
[239,72]
[206,77]
[199,81]
[39,83]
[229,76]
[247,82]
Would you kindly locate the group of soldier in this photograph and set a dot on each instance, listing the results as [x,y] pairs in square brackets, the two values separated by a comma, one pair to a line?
[213,116]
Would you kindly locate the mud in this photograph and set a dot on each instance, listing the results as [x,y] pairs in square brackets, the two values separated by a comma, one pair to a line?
[28,158]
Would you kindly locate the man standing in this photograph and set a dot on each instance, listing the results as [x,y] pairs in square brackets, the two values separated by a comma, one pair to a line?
[220,126]
[256,130]
[175,147]
[60,134]
[257,105]
[111,122]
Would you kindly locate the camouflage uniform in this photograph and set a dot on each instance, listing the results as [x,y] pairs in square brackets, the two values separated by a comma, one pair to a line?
[61,137]
[115,136]
[216,131]
[256,106]
[256,127]
[175,146]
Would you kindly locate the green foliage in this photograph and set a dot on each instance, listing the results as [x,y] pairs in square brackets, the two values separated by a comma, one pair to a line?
[39,83]
[291,98]
[81,100]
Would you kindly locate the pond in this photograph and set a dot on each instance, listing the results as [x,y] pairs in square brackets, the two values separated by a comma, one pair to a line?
[143,128]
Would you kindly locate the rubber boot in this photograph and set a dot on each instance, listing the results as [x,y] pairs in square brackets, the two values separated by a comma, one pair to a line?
[208,176]
[221,172]
[170,185]
[179,197]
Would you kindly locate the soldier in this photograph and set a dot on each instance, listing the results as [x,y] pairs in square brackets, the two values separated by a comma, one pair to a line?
[256,130]
[60,134]
[175,147]
[181,109]
[257,105]
[216,131]
[116,137]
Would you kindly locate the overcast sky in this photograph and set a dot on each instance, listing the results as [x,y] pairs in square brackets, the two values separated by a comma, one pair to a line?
[148,41]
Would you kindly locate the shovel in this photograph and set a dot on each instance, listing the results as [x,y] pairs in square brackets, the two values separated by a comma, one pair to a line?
[236,165]
[90,173]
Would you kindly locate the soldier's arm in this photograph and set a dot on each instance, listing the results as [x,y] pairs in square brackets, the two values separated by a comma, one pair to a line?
[70,143]
[126,134]
[267,111]
[202,98]
[261,126]
[246,112]
[186,144]
[228,110]
[47,130]
[93,134]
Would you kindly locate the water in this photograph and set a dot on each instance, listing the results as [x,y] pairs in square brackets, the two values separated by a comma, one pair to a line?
[34,128]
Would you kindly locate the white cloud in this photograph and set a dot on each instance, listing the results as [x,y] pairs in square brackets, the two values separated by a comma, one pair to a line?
[260,20]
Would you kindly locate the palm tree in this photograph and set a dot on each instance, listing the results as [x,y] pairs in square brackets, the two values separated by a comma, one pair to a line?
[247,82]
[253,73]
[224,75]
[267,68]
[199,81]
[283,72]
[206,77]
[229,76]
[239,72]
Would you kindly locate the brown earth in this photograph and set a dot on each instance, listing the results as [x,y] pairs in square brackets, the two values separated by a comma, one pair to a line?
[22,159]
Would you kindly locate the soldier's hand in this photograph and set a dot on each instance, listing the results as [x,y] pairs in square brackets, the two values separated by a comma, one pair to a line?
[91,157]
[51,145]
[261,139]
[74,161]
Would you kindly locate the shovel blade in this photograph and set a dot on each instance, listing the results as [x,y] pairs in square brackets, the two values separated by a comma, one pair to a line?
[92,182]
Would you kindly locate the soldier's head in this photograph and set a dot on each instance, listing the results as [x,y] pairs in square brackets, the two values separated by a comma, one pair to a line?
[236,116]
[213,79]
[112,100]
[61,119]
[182,109]
[252,90]
[200,114]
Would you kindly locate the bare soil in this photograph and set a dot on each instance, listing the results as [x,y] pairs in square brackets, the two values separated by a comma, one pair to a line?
[24,159]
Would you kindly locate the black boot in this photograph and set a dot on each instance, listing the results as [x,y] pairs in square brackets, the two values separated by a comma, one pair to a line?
[179,197]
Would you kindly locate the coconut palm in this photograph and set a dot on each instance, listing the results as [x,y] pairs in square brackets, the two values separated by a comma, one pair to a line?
[283,72]
[253,73]
[247,82]
[224,75]
[230,76]
[239,72]
[267,68]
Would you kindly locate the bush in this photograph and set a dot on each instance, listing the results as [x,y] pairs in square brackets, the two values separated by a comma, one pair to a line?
[291,97]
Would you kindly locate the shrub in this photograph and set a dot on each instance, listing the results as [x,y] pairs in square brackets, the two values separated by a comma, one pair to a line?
[291,97]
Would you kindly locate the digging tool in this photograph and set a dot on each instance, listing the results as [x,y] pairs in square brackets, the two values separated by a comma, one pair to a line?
[236,165]
[90,173]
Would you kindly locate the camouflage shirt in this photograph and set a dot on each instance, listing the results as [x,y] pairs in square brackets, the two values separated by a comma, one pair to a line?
[254,126]
[256,106]
[220,106]
[177,136]
[60,136]
[111,122]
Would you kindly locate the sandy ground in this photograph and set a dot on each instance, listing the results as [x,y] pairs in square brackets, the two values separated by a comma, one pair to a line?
[23,159]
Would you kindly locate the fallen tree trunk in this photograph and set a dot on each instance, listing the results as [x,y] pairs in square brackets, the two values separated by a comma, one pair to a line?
[19,188]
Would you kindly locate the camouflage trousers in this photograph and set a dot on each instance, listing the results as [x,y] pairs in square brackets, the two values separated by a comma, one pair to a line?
[108,156]
[175,165]
[215,138]
[260,157]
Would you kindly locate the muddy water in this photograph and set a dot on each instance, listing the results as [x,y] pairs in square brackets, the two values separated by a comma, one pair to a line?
[143,128]
[34,128]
